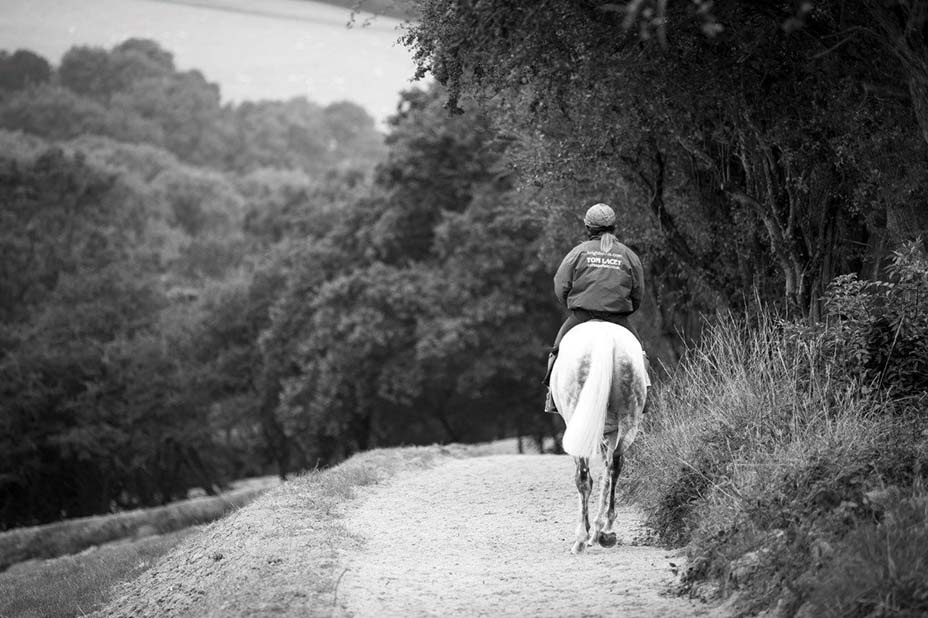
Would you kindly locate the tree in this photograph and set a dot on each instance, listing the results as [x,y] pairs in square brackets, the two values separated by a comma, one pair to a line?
[151,306]
[102,392]
[353,136]
[287,204]
[902,26]
[99,74]
[432,167]
[185,106]
[354,363]
[701,130]
[201,201]
[226,366]
[424,313]
[22,69]
[71,428]
[138,79]
[60,216]
[899,27]
[56,113]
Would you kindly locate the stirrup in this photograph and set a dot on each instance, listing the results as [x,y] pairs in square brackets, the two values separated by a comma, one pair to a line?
[647,369]
[550,408]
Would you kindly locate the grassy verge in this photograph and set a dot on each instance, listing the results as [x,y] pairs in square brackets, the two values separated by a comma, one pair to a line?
[795,490]
[75,585]
[74,535]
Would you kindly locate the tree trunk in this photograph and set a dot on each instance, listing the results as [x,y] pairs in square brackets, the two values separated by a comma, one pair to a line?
[276,442]
[902,26]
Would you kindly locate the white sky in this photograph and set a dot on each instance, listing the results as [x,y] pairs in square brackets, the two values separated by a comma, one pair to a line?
[254,49]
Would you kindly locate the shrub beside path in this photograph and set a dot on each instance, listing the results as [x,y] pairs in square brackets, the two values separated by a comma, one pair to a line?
[436,531]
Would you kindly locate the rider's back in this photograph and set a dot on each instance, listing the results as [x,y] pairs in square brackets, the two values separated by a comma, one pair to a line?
[603,281]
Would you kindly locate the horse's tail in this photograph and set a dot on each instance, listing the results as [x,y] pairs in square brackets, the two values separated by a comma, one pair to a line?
[585,428]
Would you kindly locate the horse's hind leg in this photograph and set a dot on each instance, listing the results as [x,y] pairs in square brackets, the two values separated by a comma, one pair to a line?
[605,516]
[617,456]
[584,487]
[600,522]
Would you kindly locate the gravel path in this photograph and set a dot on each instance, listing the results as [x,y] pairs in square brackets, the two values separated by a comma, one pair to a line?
[491,536]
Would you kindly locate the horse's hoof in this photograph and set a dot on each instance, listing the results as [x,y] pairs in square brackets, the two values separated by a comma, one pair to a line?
[607,539]
[578,548]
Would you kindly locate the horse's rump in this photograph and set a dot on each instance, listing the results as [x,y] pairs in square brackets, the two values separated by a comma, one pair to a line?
[599,385]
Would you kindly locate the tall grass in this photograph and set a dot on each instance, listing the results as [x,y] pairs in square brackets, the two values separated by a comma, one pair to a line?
[777,471]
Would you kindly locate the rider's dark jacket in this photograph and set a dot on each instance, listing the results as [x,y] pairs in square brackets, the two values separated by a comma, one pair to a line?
[602,281]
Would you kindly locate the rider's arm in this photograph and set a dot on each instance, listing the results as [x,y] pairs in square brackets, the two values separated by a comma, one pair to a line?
[638,281]
[564,277]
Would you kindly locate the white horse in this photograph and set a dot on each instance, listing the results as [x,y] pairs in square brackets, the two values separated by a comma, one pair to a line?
[599,384]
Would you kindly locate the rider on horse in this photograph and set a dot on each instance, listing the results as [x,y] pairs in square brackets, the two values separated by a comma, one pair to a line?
[599,279]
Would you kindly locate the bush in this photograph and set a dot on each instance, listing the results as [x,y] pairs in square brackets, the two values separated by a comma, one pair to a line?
[878,330]
[883,568]
[780,454]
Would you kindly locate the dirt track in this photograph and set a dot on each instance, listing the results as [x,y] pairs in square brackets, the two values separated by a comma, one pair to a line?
[490,536]
[431,532]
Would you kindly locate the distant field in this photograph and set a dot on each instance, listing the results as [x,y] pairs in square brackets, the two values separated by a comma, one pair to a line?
[398,9]
[272,49]
[300,10]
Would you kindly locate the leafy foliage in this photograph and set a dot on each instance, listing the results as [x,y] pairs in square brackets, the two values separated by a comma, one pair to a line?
[57,113]
[94,72]
[879,329]
[193,292]
[134,290]
[60,217]
[409,292]
[22,68]
[697,138]
[133,93]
